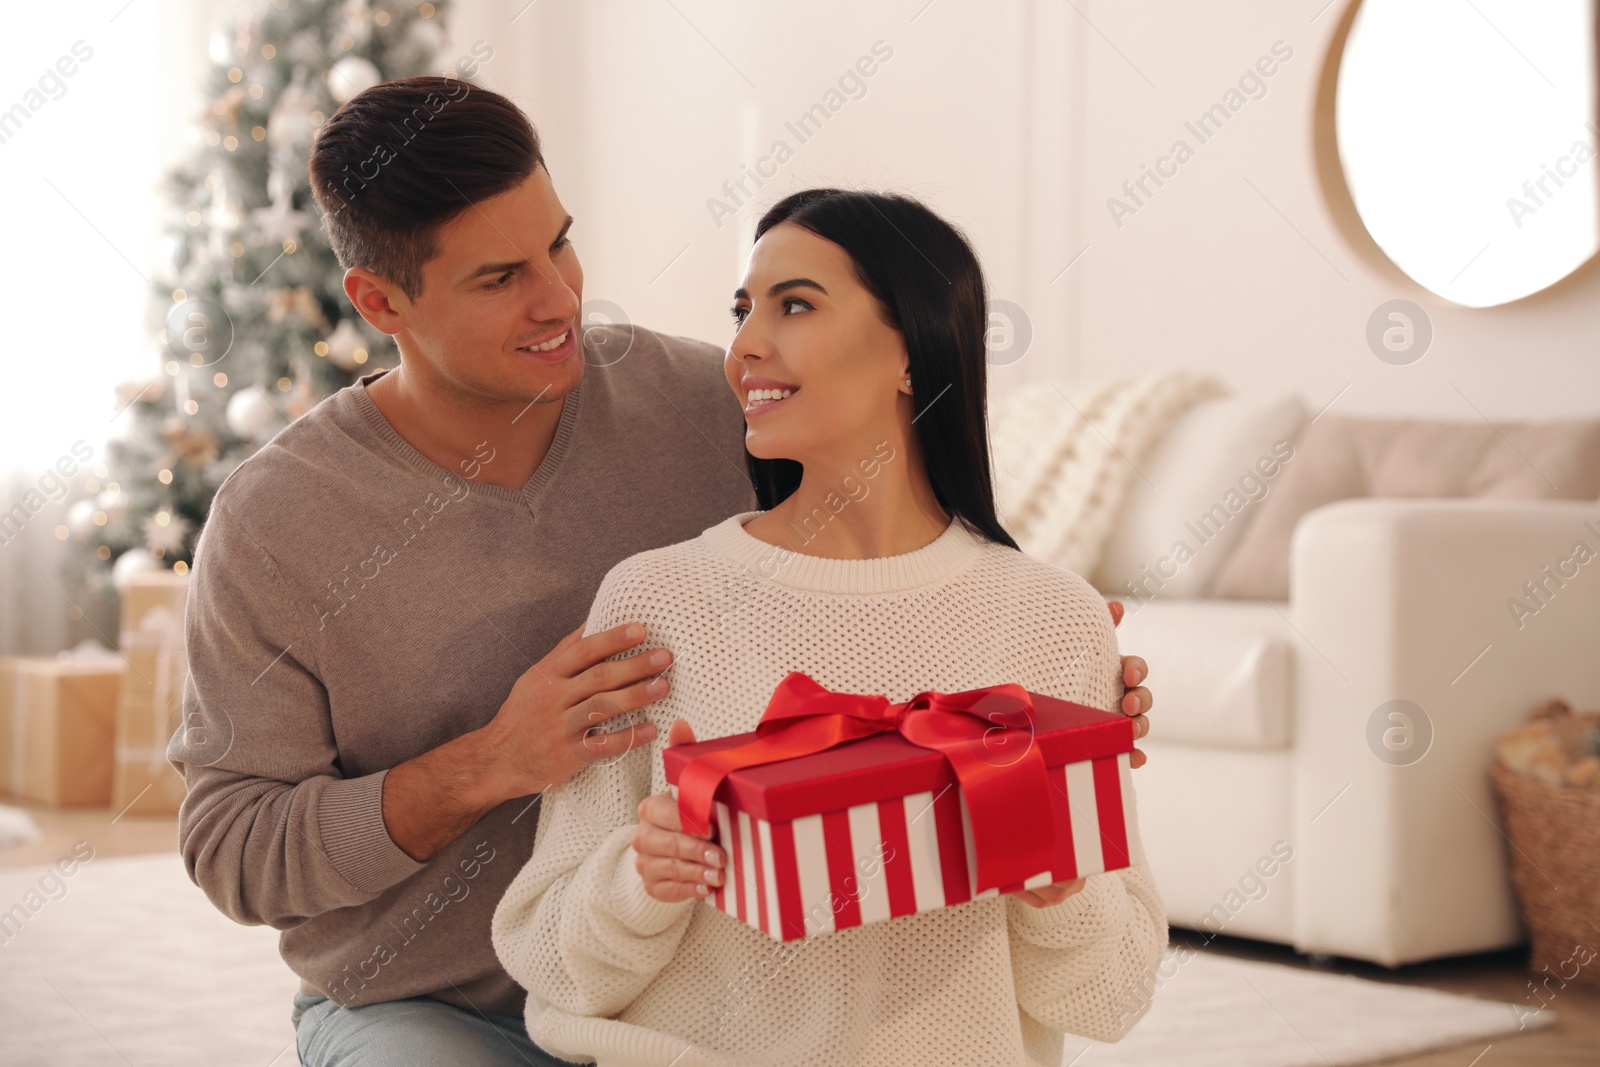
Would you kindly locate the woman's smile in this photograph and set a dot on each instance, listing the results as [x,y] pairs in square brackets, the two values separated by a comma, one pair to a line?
[762,394]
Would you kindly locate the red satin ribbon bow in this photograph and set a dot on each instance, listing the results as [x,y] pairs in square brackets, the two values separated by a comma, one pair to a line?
[980,732]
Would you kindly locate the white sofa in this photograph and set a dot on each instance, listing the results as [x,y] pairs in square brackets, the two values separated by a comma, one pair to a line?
[1270,806]
[1260,727]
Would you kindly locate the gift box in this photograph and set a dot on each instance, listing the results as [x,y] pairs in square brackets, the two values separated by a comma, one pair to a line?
[56,726]
[842,809]
[142,781]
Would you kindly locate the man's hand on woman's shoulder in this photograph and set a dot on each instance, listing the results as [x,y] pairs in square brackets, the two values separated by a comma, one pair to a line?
[550,727]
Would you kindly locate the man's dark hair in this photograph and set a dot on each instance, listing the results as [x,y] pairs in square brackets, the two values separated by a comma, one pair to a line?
[399,161]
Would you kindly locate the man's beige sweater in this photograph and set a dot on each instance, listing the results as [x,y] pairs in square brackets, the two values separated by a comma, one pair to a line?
[354,604]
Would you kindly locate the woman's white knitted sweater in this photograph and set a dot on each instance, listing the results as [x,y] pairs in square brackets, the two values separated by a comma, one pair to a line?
[621,978]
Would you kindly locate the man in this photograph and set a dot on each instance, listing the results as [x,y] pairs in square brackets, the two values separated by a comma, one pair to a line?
[387,664]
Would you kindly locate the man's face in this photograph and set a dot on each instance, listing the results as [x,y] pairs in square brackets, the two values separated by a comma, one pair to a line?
[506,281]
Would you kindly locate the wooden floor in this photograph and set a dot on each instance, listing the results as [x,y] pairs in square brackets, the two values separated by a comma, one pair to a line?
[61,828]
[1573,1042]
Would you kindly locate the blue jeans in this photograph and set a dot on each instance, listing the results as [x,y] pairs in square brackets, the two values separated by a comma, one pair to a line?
[420,1031]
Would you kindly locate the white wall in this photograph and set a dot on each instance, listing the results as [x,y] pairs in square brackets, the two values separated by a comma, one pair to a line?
[1017,120]
[81,179]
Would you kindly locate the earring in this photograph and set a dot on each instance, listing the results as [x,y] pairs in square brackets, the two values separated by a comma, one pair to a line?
[908,383]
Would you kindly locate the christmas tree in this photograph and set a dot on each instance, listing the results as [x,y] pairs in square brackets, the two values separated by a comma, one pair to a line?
[249,322]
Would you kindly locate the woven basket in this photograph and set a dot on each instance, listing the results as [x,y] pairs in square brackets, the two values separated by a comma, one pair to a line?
[1555,867]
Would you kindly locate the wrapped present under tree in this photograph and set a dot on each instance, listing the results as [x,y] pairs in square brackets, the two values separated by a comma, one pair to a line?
[57,718]
[143,782]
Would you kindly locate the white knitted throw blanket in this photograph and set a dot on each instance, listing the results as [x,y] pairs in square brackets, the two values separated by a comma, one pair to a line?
[1067,455]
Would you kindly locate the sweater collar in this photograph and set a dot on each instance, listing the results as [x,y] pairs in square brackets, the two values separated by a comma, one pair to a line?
[554,458]
[944,556]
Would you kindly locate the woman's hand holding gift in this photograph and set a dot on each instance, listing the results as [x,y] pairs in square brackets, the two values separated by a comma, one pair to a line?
[674,865]
[679,866]
[1135,703]
[1047,895]
[1137,700]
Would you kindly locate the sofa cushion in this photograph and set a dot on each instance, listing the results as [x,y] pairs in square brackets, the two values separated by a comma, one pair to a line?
[1342,458]
[1199,487]
[1222,671]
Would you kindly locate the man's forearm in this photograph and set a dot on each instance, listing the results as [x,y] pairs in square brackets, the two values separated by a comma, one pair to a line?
[431,799]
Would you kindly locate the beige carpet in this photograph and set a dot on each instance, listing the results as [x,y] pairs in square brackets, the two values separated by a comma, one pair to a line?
[126,963]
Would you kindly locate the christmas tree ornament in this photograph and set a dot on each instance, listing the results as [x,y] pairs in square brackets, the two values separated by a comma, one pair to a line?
[133,561]
[426,36]
[352,76]
[347,346]
[220,49]
[196,446]
[251,415]
[225,111]
[357,17]
[80,518]
[279,222]
[146,391]
[289,124]
[244,37]
[169,536]
[301,398]
[114,502]
[299,303]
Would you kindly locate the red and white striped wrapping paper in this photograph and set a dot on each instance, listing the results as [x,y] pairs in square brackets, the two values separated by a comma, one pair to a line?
[879,860]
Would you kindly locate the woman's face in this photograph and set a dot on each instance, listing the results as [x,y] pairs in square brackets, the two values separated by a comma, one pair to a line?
[808,326]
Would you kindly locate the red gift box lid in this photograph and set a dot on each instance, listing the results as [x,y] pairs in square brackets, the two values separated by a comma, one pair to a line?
[886,765]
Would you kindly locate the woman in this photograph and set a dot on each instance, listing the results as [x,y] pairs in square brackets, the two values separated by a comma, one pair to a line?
[876,565]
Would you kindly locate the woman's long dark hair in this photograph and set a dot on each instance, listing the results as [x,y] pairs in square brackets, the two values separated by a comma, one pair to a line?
[929,287]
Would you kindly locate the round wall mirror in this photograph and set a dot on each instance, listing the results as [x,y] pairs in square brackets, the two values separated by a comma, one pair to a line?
[1466,130]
